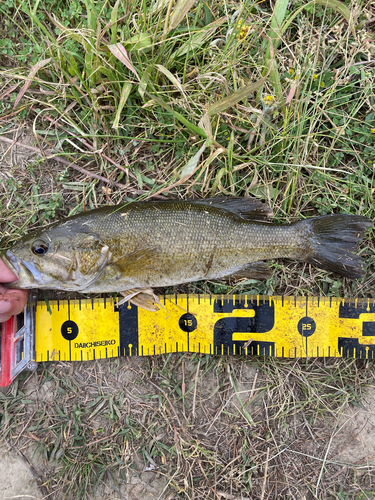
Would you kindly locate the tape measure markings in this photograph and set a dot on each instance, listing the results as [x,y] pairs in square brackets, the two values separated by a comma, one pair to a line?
[276,326]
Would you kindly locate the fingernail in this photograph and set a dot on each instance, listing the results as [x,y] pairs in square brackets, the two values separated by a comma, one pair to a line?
[4,306]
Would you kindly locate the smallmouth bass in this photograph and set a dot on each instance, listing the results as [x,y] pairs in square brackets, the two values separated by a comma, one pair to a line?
[134,247]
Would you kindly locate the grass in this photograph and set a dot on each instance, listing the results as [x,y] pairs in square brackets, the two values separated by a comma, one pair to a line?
[113,102]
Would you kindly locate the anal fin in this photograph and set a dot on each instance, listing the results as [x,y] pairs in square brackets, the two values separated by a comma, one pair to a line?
[254,270]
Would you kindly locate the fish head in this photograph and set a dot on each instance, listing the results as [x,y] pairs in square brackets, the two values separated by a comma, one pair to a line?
[64,257]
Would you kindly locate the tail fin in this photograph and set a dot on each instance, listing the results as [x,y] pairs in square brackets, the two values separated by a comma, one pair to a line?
[334,238]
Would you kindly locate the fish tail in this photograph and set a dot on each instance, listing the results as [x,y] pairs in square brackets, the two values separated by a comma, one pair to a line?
[333,239]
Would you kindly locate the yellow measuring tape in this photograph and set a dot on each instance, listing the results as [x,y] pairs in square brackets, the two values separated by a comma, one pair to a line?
[80,330]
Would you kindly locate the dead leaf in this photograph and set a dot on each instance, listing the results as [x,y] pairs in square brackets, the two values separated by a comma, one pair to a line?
[26,85]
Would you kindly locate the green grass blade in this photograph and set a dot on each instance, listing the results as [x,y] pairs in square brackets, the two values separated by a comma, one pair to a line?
[114,22]
[274,35]
[126,89]
[279,12]
[339,7]
[180,10]
[40,25]
[170,77]
[178,116]
[227,102]
[195,41]
[91,21]
[193,162]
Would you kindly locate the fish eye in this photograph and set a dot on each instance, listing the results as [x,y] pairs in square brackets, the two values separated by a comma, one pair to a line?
[39,247]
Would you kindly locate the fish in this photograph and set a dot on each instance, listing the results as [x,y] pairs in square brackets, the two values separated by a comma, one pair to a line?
[135,247]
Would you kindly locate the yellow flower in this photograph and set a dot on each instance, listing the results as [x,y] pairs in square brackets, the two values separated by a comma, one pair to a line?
[291,71]
[268,99]
[322,84]
[315,77]
[373,130]
[244,30]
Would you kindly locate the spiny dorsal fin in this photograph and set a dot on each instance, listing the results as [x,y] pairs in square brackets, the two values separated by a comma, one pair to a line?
[246,208]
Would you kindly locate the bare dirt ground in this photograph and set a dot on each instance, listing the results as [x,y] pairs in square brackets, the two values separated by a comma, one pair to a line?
[233,416]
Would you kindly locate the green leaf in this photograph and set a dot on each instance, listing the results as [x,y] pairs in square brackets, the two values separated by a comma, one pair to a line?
[142,86]
[339,7]
[275,33]
[91,21]
[140,41]
[193,128]
[170,77]
[265,192]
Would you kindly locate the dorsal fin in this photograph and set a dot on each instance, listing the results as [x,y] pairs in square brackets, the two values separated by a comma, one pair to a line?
[246,208]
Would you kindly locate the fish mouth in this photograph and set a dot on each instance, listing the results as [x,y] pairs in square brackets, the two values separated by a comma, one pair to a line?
[29,276]
[12,262]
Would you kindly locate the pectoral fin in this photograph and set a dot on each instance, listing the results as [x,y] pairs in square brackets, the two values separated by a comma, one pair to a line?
[142,258]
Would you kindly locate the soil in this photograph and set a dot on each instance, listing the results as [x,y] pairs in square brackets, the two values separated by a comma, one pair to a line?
[23,472]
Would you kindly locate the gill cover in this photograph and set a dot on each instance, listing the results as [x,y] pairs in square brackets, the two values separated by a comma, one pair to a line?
[58,259]
[90,257]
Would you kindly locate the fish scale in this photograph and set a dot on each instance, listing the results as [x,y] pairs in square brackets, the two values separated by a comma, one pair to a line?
[186,240]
